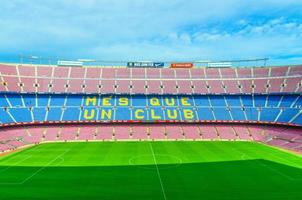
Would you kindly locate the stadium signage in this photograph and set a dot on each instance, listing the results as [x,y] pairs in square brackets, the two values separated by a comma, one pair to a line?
[145,64]
[181,65]
[70,63]
[220,64]
[124,108]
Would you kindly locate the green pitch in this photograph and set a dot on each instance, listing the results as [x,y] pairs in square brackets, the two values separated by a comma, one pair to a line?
[151,170]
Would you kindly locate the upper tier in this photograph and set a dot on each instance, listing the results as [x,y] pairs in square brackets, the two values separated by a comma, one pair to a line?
[54,79]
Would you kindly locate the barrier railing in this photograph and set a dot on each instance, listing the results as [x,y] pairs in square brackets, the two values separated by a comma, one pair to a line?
[94,122]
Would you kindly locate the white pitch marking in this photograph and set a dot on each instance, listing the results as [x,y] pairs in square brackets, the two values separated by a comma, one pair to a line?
[161,183]
[244,156]
[2,170]
[42,168]
[39,170]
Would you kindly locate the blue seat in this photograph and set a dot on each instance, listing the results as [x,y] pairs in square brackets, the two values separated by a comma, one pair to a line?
[201,101]
[15,100]
[43,100]
[260,100]
[155,113]
[222,114]
[3,102]
[269,114]
[39,113]
[298,120]
[298,102]
[237,114]
[273,100]
[251,114]
[288,114]
[288,100]
[205,114]
[54,114]
[57,100]
[21,114]
[74,100]
[139,107]
[217,100]
[29,100]
[88,114]
[247,100]
[138,100]
[139,113]
[5,118]
[71,113]
[122,113]
[233,100]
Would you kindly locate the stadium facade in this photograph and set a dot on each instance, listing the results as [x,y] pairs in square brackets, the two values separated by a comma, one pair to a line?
[47,103]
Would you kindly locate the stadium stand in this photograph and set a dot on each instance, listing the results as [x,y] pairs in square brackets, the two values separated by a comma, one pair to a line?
[285,137]
[54,79]
[52,103]
[31,108]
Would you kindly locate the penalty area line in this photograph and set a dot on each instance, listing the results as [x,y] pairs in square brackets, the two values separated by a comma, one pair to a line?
[17,163]
[39,170]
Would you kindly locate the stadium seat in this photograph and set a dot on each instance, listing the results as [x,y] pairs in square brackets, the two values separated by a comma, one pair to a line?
[52,133]
[209,132]
[138,87]
[226,132]
[191,132]
[156,132]
[121,132]
[87,133]
[139,132]
[154,87]
[55,103]
[32,78]
[69,133]
[242,132]
[104,132]
[173,132]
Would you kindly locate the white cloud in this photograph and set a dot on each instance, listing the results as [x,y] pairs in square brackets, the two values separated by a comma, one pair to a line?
[157,29]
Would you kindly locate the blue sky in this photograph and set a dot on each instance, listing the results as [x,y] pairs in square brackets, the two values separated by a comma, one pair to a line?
[153,29]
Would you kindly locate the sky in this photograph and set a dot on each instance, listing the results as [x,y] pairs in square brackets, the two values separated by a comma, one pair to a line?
[162,30]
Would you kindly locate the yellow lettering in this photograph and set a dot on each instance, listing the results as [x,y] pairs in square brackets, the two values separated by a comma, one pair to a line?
[188,114]
[153,115]
[106,101]
[170,102]
[106,114]
[184,101]
[123,101]
[137,114]
[154,102]
[91,100]
[172,116]
[88,115]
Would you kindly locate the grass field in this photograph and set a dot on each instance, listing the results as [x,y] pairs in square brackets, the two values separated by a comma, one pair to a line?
[151,170]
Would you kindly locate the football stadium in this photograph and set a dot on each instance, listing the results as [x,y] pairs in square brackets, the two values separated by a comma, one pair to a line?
[174,131]
[150,100]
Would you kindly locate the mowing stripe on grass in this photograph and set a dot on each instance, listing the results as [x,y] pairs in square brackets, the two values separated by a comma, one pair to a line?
[161,183]
[42,168]
[39,170]
[245,156]
[101,170]
[17,163]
